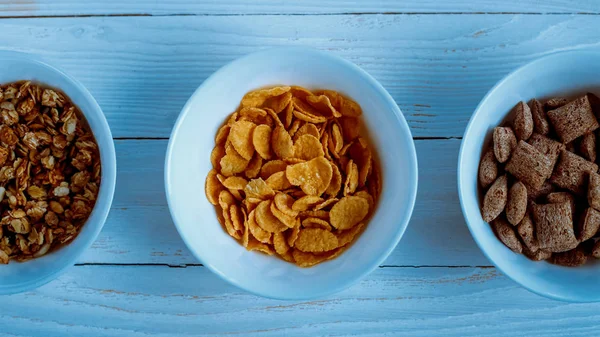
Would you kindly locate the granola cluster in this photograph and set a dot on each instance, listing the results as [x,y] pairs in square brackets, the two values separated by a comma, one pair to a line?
[49,171]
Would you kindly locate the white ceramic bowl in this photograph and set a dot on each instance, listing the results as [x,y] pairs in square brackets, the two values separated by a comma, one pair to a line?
[187,164]
[563,74]
[19,277]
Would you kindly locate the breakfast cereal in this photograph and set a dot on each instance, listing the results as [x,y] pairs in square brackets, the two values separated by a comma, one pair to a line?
[292,177]
[50,171]
[540,182]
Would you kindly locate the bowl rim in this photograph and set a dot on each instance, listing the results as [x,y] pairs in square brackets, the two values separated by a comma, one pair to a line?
[404,128]
[107,185]
[515,73]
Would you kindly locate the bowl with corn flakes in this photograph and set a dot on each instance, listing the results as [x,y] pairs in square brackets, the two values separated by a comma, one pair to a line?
[57,172]
[291,173]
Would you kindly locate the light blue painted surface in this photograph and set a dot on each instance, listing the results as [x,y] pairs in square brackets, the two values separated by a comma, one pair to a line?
[142,69]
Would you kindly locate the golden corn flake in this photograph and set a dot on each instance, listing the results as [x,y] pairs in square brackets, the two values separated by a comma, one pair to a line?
[254,166]
[288,116]
[279,103]
[261,139]
[351,178]
[257,232]
[226,199]
[212,187]
[350,108]
[222,134]
[266,220]
[366,196]
[258,188]
[229,224]
[326,203]
[321,214]
[307,129]
[323,105]
[348,212]
[306,202]
[336,181]
[293,234]
[254,115]
[336,138]
[325,145]
[285,219]
[300,92]
[293,129]
[235,183]
[257,98]
[316,223]
[281,143]
[312,176]
[308,147]
[216,155]
[232,164]
[291,175]
[334,97]
[350,128]
[316,240]
[285,203]
[236,218]
[280,244]
[271,167]
[240,137]
[278,181]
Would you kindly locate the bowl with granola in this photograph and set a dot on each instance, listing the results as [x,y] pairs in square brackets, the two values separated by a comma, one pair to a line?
[291,173]
[528,177]
[57,172]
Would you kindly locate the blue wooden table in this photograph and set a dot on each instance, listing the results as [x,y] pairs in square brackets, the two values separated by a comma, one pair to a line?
[142,60]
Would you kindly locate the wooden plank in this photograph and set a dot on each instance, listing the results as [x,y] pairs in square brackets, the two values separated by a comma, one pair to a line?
[234,7]
[161,301]
[140,229]
[437,67]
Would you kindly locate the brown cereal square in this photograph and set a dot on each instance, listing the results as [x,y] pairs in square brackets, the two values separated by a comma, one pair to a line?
[529,165]
[554,226]
[593,194]
[571,172]
[573,120]
[547,146]
[588,224]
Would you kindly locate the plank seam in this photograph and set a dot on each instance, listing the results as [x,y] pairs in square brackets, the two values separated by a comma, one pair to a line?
[285,14]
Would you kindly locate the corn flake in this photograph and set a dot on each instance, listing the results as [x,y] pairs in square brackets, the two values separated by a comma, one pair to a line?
[306,202]
[281,143]
[235,183]
[312,176]
[348,212]
[316,240]
[271,167]
[308,147]
[266,220]
[257,98]
[261,139]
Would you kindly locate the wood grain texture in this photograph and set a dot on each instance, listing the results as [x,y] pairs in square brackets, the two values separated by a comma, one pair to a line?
[140,230]
[244,7]
[436,67]
[160,301]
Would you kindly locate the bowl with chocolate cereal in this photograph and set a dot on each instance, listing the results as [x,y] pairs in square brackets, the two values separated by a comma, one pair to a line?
[57,172]
[528,176]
